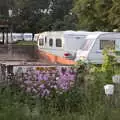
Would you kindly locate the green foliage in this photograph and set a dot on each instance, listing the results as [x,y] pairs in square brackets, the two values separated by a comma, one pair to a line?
[95,78]
[4,8]
[25,43]
[84,101]
[93,14]
[63,18]
[45,15]
[39,15]
[114,17]
[108,65]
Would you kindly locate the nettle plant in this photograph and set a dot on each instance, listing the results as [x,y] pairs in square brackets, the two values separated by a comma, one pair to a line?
[111,63]
[109,67]
[82,71]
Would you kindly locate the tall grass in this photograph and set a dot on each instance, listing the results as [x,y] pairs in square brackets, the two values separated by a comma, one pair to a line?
[85,101]
[22,42]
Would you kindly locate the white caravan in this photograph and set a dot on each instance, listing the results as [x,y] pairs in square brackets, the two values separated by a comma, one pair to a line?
[15,37]
[62,43]
[36,37]
[94,45]
[28,36]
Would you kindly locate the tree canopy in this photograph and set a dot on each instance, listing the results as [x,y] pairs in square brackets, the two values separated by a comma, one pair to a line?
[45,15]
[94,14]
[42,15]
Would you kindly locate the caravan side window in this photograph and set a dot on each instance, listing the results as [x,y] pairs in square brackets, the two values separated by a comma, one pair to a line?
[41,42]
[107,44]
[45,40]
[58,43]
[50,42]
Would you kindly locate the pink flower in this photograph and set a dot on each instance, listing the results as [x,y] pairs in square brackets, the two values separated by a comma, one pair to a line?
[42,86]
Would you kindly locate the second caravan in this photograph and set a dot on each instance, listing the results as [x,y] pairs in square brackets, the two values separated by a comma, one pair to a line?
[62,43]
[94,45]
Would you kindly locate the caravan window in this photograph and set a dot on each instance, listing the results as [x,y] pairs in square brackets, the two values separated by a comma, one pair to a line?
[41,42]
[107,44]
[58,43]
[51,42]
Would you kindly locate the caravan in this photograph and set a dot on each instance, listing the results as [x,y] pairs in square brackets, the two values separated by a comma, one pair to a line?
[62,43]
[12,37]
[36,36]
[94,45]
[16,37]
[28,36]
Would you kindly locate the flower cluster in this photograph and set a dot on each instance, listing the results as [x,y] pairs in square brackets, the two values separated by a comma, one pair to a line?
[46,81]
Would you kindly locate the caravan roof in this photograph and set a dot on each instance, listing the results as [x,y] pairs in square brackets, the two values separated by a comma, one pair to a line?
[68,32]
[95,35]
[77,33]
[84,32]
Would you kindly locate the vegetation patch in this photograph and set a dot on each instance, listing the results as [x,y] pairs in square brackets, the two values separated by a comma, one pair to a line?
[74,93]
[25,43]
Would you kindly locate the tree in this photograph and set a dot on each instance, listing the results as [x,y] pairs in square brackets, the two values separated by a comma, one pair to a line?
[69,23]
[41,15]
[27,14]
[93,14]
[114,14]
[61,14]
[3,8]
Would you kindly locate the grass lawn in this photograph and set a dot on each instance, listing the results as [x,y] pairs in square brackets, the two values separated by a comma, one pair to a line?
[25,43]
